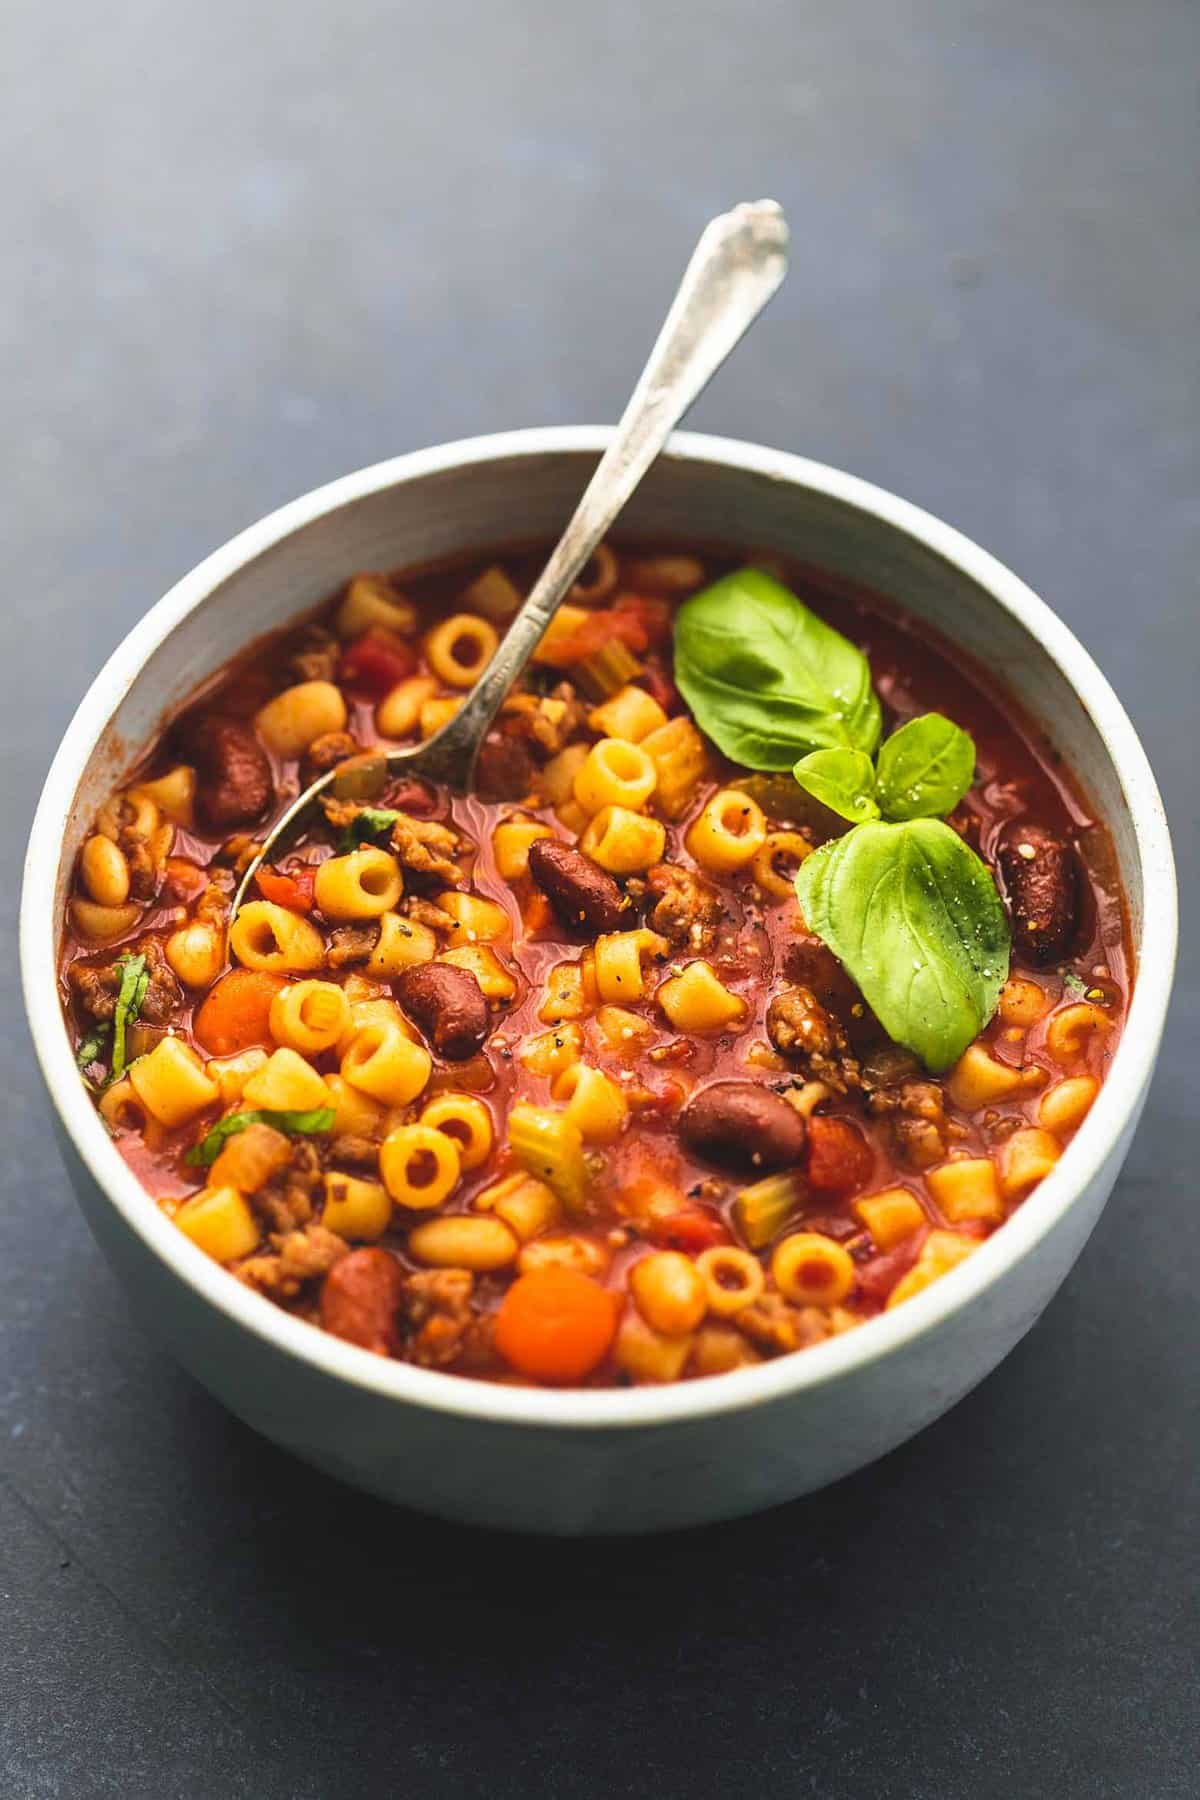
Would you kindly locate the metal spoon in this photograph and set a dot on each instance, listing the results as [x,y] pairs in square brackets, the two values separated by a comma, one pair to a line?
[739,262]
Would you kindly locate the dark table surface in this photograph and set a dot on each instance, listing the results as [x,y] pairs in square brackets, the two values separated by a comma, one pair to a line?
[247,248]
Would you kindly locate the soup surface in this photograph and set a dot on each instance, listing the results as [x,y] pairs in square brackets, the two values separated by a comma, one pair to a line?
[651,1059]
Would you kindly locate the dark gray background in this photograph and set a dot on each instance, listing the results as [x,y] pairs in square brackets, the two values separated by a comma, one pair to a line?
[246,247]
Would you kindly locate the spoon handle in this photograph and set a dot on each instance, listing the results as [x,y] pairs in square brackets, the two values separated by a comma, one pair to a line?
[737,265]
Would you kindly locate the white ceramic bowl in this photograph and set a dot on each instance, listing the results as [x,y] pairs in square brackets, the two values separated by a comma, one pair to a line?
[643,1458]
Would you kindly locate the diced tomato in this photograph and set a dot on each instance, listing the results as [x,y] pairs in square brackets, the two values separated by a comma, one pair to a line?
[634,622]
[651,617]
[690,1229]
[375,662]
[877,1278]
[592,635]
[839,1157]
[293,889]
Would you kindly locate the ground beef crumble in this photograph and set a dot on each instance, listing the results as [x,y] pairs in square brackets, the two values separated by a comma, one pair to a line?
[801,1029]
[351,944]
[684,908]
[437,1316]
[292,1195]
[97,985]
[916,1115]
[775,1327]
[353,1150]
[297,1257]
[548,721]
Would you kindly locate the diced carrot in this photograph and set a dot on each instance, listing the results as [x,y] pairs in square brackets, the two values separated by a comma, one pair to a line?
[555,1324]
[292,888]
[651,617]
[237,1014]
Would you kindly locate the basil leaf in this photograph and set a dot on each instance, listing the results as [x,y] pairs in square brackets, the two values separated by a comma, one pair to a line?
[915,917]
[312,1123]
[135,980]
[842,780]
[925,768]
[766,678]
[371,822]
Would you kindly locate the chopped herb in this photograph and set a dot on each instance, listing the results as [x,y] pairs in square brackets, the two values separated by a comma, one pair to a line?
[92,1048]
[371,822]
[312,1123]
[1073,985]
[135,980]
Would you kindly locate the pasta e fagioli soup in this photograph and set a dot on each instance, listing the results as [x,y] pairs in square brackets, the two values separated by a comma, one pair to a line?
[774,962]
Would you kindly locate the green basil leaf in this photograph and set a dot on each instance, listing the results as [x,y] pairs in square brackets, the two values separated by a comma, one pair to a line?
[842,780]
[135,980]
[925,768]
[313,1123]
[915,917]
[766,678]
[371,822]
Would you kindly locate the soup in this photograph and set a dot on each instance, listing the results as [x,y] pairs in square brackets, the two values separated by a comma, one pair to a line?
[773,963]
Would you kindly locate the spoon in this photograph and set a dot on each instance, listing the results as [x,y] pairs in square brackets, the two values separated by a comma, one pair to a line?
[738,264]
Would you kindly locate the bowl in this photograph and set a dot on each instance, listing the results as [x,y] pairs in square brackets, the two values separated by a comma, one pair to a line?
[643,1458]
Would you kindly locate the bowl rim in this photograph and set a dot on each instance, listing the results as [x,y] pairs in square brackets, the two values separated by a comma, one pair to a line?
[589,1408]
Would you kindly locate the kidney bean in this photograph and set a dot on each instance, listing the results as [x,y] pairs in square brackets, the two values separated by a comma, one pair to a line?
[839,1156]
[581,893]
[742,1126]
[1041,879]
[360,1298]
[233,772]
[447,1005]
